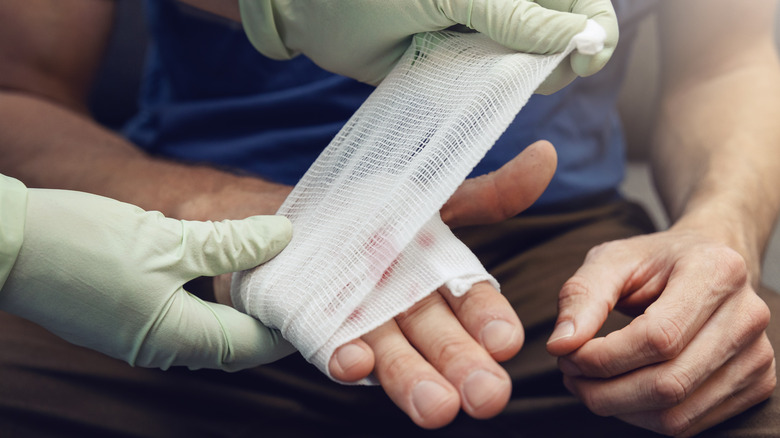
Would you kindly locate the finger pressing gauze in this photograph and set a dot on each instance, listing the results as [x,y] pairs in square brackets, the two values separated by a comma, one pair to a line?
[368,241]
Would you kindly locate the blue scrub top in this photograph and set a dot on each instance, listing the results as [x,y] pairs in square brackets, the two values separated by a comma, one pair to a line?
[208,97]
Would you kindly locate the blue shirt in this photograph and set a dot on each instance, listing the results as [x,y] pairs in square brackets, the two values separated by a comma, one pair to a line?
[208,96]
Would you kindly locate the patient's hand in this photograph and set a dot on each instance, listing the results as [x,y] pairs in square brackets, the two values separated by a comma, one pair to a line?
[442,354]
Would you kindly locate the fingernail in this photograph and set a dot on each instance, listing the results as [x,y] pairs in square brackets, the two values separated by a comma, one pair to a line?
[497,335]
[480,387]
[349,355]
[428,397]
[563,330]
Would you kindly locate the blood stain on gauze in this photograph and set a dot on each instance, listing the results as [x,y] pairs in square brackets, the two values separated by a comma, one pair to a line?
[368,241]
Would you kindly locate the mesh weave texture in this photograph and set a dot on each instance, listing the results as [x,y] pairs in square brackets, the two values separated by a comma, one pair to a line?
[368,241]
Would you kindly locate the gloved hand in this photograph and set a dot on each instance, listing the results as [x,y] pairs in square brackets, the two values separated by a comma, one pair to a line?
[108,275]
[363,39]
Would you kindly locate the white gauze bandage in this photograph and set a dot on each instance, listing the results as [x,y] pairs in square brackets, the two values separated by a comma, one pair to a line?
[368,241]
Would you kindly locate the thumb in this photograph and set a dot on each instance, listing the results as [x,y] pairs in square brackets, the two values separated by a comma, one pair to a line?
[585,301]
[214,248]
[198,334]
[603,13]
[504,193]
[249,342]
[521,25]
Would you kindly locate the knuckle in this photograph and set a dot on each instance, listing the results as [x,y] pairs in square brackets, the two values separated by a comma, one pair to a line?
[394,364]
[767,385]
[450,349]
[577,293]
[750,324]
[674,422]
[768,354]
[733,262]
[757,313]
[602,365]
[730,269]
[575,289]
[596,404]
[764,360]
[670,388]
[666,338]
[599,249]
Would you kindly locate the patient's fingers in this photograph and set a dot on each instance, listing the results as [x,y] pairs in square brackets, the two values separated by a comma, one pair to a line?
[432,328]
[489,318]
[410,381]
[352,361]
[502,194]
[440,356]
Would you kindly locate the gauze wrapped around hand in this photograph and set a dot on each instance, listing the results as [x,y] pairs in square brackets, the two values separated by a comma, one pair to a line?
[368,239]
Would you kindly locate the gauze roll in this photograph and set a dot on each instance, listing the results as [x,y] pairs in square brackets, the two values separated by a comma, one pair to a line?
[368,241]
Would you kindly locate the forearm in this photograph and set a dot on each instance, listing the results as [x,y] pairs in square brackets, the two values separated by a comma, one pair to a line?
[716,159]
[47,145]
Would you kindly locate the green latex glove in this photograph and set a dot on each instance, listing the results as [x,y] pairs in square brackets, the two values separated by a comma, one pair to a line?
[108,275]
[363,39]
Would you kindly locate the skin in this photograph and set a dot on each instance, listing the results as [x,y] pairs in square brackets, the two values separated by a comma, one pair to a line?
[697,352]
[432,379]
[42,85]
[688,286]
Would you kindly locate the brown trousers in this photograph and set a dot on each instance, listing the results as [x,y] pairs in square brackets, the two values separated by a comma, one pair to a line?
[51,388]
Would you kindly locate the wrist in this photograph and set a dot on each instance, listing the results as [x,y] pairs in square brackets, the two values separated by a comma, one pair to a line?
[197,192]
[723,223]
[220,195]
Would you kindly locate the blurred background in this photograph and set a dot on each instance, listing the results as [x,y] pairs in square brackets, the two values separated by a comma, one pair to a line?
[114,100]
